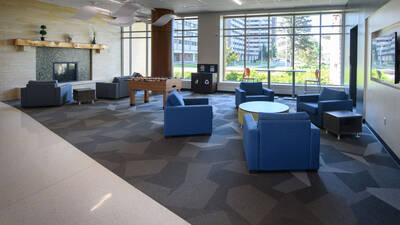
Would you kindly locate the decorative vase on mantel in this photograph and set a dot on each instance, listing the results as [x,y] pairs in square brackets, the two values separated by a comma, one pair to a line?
[94,40]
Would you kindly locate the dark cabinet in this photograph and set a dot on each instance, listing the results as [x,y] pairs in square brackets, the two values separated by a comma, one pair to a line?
[204,82]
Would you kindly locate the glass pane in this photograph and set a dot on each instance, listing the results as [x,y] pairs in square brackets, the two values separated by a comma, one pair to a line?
[177,24]
[257,31]
[234,58]
[257,56]
[191,33]
[139,27]
[234,23]
[306,56]
[234,32]
[125,28]
[149,57]
[190,57]
[331,30]
[280,49]
[125,58]
[307,30]
[331,59]
[307,20]
[275,31]
[281,21]
[139,34]
[190,24]
[139,55]
[178,33]
[332,19]
[126,35]
[178,57]
[257,22]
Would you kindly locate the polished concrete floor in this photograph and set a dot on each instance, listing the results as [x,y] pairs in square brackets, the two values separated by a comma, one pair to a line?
[204,179]
[44,180]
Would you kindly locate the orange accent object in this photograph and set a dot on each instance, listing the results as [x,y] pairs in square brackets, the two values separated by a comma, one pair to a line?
[246,75]
[317,73]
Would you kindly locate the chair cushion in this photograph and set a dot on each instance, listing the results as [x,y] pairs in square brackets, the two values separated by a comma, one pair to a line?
[252,88]
[309,107]
[330,94]
[51,83]
[283,116]
[175,99]
[250,98]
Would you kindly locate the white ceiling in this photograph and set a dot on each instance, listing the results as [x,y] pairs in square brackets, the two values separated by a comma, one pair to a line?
[196,6]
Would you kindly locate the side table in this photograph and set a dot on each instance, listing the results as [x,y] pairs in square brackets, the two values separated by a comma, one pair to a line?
[342,122]
[84,95]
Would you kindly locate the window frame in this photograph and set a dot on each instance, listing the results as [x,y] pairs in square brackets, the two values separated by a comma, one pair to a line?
[182,37]
[291,33]
[131,37]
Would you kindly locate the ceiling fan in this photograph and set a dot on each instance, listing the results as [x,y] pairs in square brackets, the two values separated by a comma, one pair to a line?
[126,15]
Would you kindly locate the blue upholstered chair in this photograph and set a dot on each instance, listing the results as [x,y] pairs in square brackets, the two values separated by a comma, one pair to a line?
[253,91]
[187,116]
[119,88]
[45,93]
[281,142]
[327,100]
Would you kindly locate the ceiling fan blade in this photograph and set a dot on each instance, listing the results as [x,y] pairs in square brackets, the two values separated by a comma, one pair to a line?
[126,10]
[164,19]
[122,21]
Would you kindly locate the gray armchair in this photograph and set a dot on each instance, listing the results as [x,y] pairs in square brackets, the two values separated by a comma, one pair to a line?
[119,88]
[45,93]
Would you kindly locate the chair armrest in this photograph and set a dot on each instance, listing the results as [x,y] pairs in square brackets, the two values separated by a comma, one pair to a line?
[24,97]
[240,96]
[308,98]
[251,141]
[196,101]
[66,93]
[333,105]
[268,91]
[315,146]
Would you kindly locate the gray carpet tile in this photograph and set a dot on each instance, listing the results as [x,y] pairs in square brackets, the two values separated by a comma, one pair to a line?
[204,179]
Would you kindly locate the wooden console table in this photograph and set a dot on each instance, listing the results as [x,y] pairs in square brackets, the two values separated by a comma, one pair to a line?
[163,85]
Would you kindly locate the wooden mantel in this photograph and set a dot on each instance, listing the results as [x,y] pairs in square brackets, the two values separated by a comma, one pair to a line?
[56,44]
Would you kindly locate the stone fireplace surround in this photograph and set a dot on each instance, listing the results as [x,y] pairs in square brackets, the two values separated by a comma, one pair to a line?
[45,57]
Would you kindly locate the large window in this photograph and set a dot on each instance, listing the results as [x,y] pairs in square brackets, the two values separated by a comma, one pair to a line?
[136,49]
[185,46]
[307,42]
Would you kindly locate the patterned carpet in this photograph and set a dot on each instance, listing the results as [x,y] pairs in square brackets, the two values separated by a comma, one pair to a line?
[204,179]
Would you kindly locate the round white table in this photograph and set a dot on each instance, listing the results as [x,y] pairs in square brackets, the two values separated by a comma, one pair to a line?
[256,107]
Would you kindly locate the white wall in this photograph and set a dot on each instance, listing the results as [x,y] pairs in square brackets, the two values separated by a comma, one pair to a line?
[209,38]
[382,100]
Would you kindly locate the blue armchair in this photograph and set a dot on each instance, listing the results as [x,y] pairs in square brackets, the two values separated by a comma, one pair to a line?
[187,116]
[281,142]
[252,91]
[119,88]
[327,100]
[45,93]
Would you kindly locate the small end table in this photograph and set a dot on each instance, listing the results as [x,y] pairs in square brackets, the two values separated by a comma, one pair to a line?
[84,95]
[343,122]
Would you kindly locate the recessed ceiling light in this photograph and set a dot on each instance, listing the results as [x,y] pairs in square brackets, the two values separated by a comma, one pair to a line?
[238,2]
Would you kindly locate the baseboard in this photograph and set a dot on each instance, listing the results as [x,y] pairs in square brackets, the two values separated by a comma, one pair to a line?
[388,149]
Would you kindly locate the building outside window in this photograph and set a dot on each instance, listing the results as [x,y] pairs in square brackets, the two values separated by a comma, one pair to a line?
[308,42]
[136,49]
[185,46]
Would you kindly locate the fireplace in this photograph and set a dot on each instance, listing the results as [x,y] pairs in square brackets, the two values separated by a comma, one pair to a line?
[65,71]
